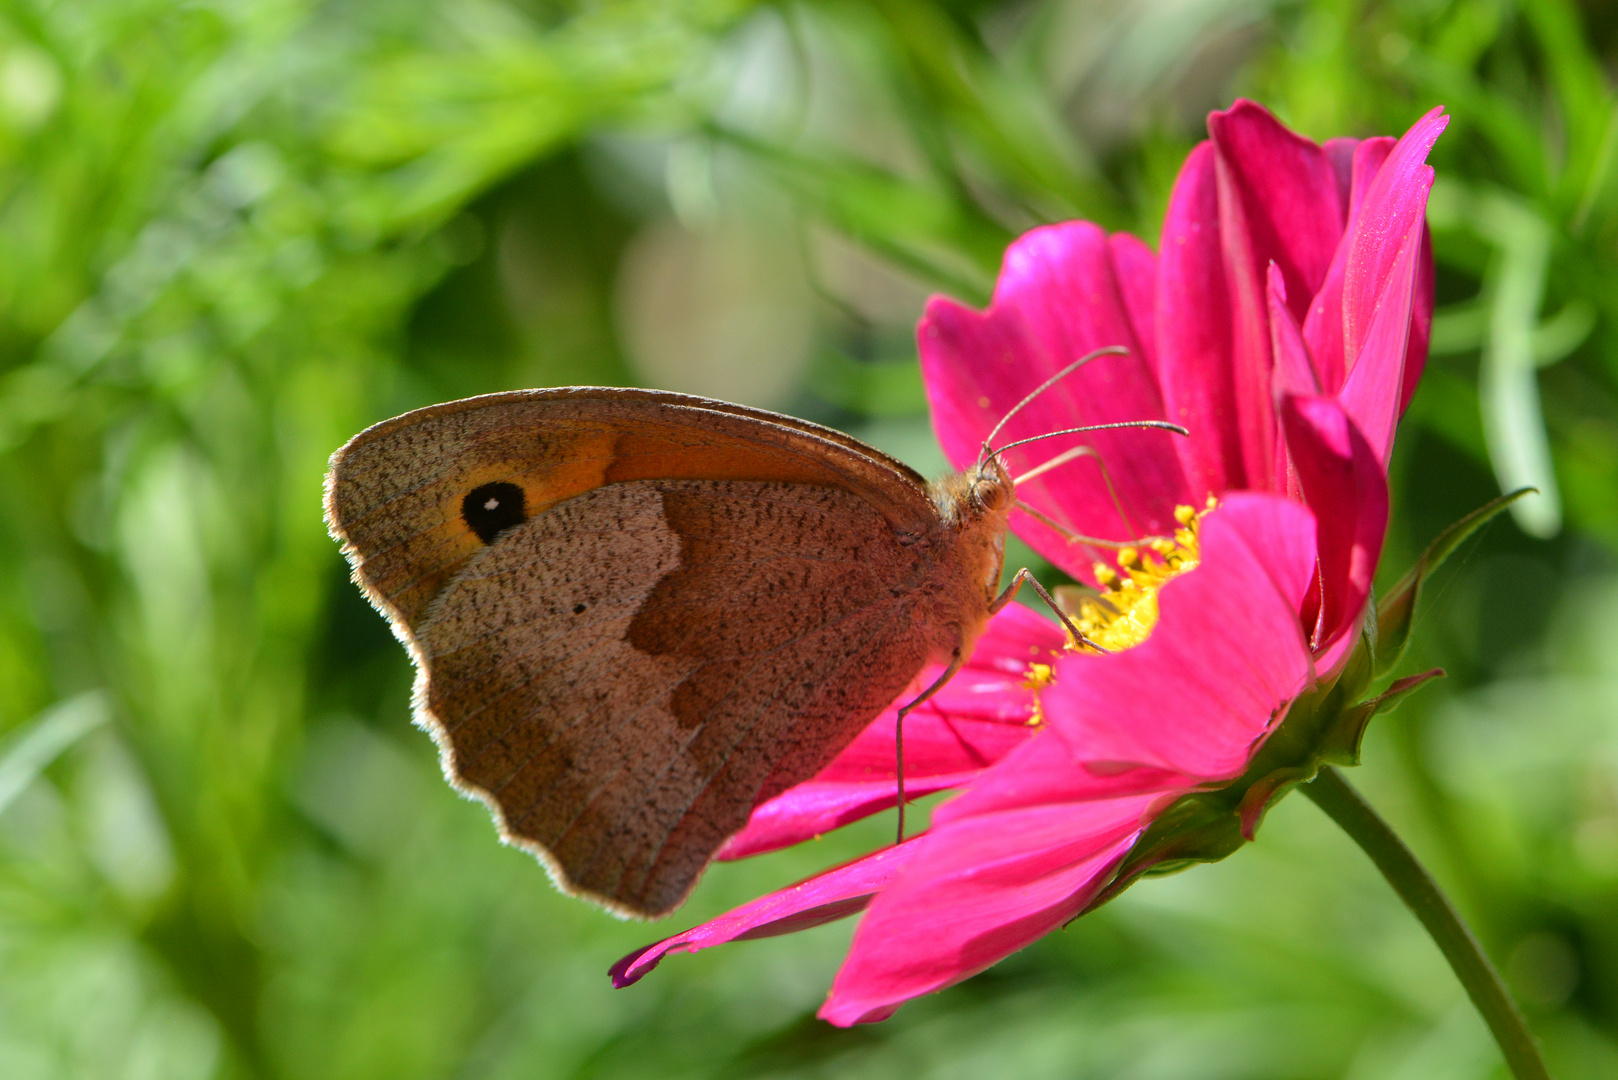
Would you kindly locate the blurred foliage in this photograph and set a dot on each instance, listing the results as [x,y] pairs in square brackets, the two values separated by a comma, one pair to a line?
[238,231]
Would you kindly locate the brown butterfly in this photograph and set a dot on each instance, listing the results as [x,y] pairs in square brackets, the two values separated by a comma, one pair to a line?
[635,615]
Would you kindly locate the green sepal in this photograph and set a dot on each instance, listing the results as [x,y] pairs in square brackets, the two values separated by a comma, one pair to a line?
[1324,726]
[1396,612]
[1341,745]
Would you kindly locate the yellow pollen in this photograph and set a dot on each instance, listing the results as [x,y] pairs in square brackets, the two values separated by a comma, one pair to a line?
[1038,678]
[1126,610]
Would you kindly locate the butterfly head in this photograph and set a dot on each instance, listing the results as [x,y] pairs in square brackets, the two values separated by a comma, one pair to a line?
[979,497]
[975,509]
[989,489]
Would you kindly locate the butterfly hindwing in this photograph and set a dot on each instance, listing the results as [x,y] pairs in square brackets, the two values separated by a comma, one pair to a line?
[623,676]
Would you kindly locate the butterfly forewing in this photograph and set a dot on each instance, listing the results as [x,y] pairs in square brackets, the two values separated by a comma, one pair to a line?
[395,492]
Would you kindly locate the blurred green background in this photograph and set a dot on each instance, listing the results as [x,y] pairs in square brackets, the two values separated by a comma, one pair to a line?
[237,231]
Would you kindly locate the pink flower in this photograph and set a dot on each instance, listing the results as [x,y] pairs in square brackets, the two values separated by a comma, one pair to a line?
[1284,323]
[1279,260]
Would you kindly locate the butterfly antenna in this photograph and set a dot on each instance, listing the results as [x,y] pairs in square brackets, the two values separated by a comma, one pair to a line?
[1162,425]
[1110,350]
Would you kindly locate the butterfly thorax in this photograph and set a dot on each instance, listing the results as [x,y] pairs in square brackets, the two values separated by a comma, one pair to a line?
[974,508]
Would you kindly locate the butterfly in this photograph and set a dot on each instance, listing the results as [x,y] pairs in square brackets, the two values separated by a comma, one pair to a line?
[635,615]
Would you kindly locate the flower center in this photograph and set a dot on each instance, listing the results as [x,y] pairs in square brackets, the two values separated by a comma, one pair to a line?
[1124,612]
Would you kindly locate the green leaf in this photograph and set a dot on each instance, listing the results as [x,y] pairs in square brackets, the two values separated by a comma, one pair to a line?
[920,227]
[27,751]
[1508,388]
[1395,612]
[1580,85]
[1004,114]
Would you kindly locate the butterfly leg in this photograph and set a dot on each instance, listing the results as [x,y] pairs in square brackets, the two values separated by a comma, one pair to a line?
[899,732]
[1025,576]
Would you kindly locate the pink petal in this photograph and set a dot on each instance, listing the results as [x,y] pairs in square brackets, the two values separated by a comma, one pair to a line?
[1330,661]
[1340,152]
[1394,201]
[817,807]
[975,720]
[1225,659]
[1379,283]
[1421,322]
[1261,195]
[1051,769]
[1290,202]
[1346,487]
[1059,297]
[1294,370]
[1323,329]
[1294,374]
[1373,391]
[979,888]
[1369,157]
[823,898]
[1136,268]
[1194,336]
[1250,352]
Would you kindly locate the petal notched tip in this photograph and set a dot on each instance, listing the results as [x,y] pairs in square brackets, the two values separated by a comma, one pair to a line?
[824,898]
[629,970]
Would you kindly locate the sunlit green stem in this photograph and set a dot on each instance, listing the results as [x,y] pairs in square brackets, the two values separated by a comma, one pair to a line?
[1417,889]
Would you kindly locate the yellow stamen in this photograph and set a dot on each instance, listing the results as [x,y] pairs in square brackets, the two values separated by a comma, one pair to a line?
[1038,678]
[1126,611]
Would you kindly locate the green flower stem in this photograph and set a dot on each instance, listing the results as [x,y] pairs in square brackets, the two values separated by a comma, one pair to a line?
[1421,893]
